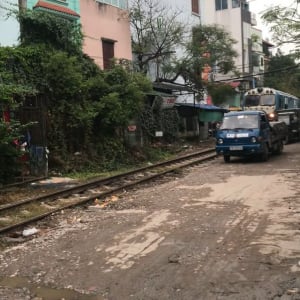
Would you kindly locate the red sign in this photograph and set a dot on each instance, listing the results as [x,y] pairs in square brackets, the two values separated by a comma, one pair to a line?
[168,101]
[131,128]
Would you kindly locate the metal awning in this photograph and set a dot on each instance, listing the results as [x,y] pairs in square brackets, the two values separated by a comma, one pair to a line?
[174,87]
[158,93]
[202,106]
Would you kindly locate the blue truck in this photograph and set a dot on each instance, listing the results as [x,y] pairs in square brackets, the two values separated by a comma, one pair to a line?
[249,133]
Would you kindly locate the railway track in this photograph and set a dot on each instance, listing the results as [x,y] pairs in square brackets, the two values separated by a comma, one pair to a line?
[21,183]
[20,213]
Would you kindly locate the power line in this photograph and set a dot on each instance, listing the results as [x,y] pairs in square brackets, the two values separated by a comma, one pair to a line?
[257,74]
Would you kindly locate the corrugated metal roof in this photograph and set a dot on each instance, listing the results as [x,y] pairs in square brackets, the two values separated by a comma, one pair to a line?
[202,106]
[158,93]
[174,87]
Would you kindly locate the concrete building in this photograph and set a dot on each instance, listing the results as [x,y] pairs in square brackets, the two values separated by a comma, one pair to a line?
[106,29]
[234,16]
[257,59]
[105,25]
[68,9]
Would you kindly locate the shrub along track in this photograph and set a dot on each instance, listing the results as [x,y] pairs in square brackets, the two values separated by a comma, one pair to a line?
[24,212]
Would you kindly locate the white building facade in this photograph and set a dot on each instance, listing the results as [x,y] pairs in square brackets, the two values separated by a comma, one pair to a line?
[234,16]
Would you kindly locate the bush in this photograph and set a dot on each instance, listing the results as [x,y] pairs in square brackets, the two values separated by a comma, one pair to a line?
[9,163]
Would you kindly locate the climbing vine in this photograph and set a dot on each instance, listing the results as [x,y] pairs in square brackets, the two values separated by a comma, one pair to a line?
[83,109]
[156,118]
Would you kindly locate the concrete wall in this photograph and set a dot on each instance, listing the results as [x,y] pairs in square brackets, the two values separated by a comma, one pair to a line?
[107,22]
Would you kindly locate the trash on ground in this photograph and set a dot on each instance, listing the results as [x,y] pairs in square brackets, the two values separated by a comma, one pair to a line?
[30,231]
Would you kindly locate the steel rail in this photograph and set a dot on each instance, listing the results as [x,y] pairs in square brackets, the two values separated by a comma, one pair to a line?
[112,191]
[20,183]
[81,187]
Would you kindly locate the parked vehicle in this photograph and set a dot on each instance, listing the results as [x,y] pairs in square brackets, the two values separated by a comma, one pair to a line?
[249,133]
[292,119]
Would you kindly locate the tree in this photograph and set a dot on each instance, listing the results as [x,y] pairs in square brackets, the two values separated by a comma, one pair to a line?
[13,89]
[285,23]
[38,27]
[283,74]
[210,47]
[220,92]
[156,32]
[84,108]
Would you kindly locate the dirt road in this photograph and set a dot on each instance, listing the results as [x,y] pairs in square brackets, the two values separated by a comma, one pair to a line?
[217,231]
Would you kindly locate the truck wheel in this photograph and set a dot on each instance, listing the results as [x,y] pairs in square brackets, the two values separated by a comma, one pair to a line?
[227,158]
[265,154]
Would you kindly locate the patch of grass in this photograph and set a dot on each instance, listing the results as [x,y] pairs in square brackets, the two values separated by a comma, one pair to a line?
[84,167]
[134,159]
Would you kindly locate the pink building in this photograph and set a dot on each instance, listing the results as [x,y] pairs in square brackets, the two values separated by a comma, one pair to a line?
[106,29]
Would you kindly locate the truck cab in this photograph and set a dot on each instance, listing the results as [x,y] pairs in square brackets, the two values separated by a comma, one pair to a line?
[249,133]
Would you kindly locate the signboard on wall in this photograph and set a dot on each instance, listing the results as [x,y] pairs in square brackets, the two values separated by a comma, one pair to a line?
[168,102]
[131,128]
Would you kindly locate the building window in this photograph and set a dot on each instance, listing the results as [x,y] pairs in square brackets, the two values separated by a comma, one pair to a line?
[236,3]
[108,53]
[221,4]
[195,6]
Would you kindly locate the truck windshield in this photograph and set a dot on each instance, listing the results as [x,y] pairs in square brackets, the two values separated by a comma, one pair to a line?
[240,122]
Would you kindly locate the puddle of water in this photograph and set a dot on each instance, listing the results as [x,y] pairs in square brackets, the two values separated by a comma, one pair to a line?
[45,293]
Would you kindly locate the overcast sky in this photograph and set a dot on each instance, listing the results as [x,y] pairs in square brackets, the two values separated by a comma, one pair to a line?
[259,6]
[9,28]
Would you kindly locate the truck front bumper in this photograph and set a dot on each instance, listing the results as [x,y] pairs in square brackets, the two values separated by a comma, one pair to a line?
[239,150]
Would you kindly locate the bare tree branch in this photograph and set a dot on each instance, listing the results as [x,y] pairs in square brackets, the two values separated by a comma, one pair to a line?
[285,23]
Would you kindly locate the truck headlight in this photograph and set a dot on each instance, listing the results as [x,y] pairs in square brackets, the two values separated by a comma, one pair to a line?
[220,141]
[253,139]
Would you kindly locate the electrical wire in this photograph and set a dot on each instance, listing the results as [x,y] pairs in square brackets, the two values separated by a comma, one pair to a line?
[257,74]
